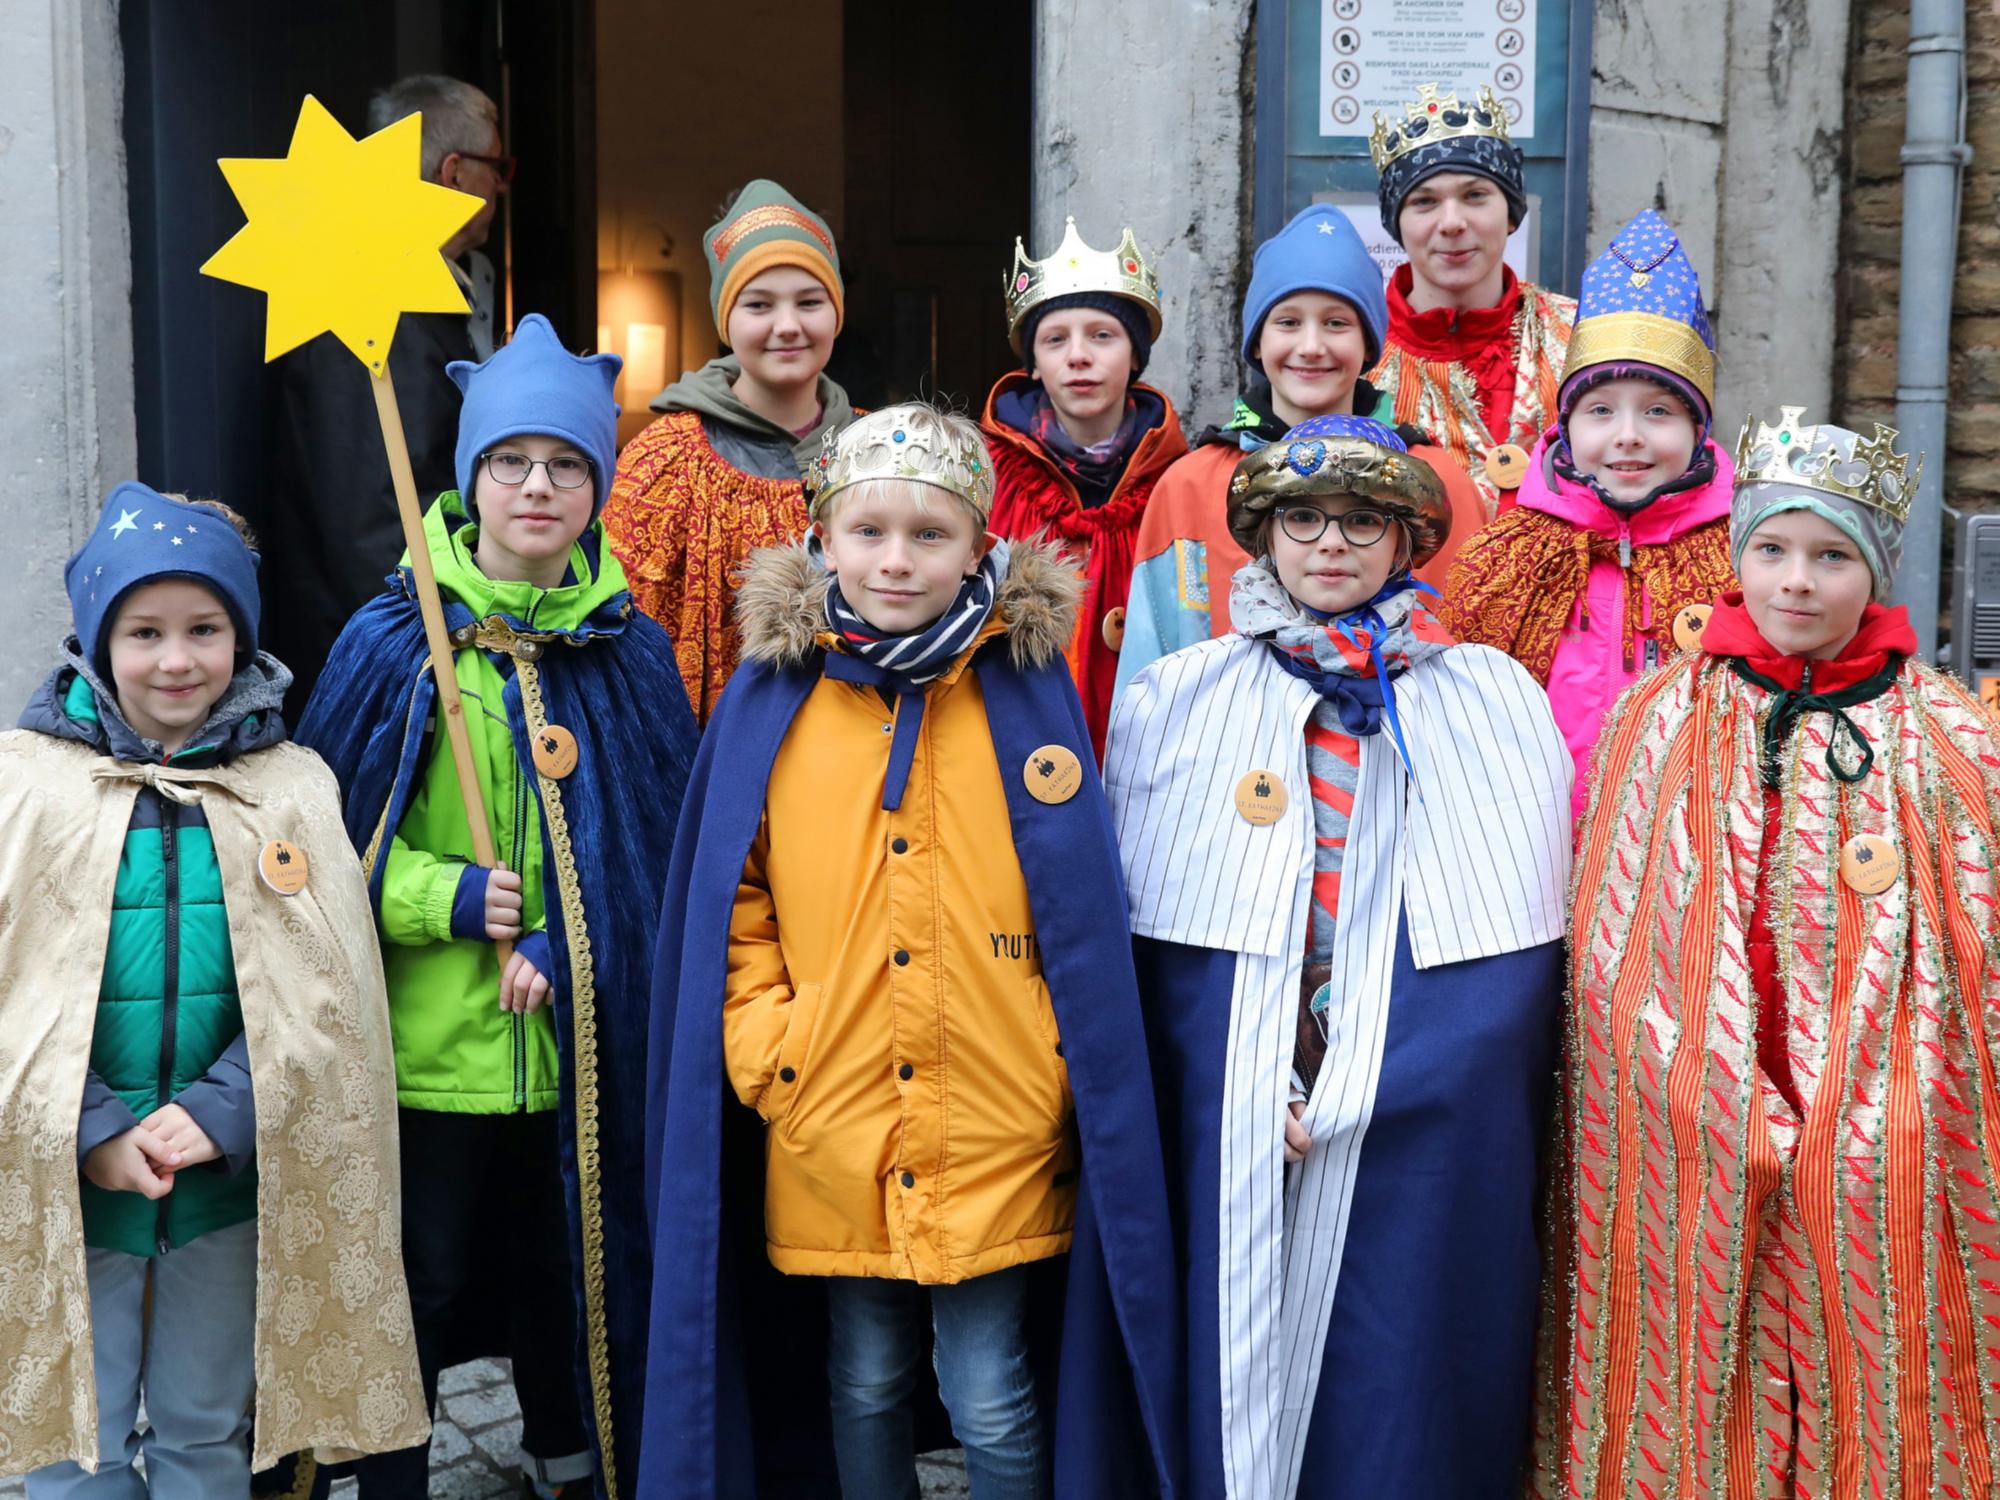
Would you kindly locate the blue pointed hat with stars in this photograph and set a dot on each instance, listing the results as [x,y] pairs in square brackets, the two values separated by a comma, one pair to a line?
[143,536]
[1641,304]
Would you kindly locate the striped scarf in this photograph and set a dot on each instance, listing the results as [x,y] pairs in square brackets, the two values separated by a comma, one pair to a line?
[906,664]
[1351,660]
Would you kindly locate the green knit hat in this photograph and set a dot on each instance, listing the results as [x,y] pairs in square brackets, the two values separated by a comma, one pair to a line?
[765,227]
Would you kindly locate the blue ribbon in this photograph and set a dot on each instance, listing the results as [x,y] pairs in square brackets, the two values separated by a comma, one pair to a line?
[909,717]
[1361,705]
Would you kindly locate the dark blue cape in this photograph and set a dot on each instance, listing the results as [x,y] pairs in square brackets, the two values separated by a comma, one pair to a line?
[614,684]
[736,1397]
[1428,1369]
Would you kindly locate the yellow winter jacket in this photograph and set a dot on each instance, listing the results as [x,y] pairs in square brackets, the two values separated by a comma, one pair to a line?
[885,1011]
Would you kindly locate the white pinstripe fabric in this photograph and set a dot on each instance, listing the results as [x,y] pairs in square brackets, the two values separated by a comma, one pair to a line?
[1481,866]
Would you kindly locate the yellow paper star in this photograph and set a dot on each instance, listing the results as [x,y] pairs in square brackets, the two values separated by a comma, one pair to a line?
[343,235]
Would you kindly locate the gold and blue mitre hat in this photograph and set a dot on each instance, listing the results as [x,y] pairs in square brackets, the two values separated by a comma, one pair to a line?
[1075,267]
[1641,304]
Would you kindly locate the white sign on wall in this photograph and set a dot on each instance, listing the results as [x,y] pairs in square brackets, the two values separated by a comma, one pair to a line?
[1375,53]
[1364,212]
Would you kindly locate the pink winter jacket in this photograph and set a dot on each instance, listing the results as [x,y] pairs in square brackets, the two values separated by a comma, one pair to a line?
[1589,669]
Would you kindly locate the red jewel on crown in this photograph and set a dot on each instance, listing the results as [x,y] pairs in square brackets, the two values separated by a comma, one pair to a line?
[1432,108]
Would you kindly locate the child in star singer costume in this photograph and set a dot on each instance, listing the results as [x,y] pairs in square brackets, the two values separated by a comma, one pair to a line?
[1622,523]
[521,1088]
[1346,843]
[1078,440]
[895,935]
[1780,1105]
[1313,322]
[198,1179]
[717,476]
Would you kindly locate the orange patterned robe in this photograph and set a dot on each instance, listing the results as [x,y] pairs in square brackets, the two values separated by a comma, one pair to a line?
[682,520]
[1749,1299]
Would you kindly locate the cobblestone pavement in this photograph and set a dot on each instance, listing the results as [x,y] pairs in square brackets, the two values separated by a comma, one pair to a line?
[473,1452]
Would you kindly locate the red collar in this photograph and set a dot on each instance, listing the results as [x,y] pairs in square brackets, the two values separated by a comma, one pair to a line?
[1450,333]
[1883,633]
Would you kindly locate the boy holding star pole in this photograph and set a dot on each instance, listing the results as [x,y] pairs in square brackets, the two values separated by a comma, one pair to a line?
[515,988]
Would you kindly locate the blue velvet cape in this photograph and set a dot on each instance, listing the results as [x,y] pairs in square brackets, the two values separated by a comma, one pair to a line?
[1428,1368]
[736,1395]
[614,684]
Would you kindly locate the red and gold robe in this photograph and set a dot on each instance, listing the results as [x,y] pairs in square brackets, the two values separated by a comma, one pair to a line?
[1789,1287]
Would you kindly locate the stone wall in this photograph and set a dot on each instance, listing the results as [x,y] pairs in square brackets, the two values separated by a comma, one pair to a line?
[66,427]
[1143,117]
[1726,116]
[1871,244]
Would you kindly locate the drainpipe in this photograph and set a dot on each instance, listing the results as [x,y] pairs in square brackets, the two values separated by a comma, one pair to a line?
[1934,152]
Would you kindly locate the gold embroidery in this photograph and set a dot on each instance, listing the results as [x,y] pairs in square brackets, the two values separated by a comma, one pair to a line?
[583,1012]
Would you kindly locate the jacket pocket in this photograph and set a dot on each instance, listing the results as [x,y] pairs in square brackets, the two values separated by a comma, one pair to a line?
[794,1052]
[1055,1069]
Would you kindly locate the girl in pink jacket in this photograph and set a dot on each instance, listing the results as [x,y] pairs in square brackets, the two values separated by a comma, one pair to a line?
[1620,540]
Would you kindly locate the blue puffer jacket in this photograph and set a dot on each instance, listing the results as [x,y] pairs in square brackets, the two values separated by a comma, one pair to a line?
[168,1026]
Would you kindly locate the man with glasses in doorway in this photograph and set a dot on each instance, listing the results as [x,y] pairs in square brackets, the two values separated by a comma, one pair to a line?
[1474,354]
[332,530]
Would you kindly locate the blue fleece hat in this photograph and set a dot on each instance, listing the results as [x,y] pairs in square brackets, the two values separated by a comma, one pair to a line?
[143,537]
[534,385]
[1319,251]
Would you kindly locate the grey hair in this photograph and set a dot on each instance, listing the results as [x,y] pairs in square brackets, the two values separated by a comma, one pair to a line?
[457,116]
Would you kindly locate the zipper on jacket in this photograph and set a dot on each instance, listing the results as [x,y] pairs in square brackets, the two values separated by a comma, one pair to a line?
[1625,589]
[170,990]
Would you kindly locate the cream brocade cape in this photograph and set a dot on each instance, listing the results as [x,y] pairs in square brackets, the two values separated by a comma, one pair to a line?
[336,1355]
[1749,1300]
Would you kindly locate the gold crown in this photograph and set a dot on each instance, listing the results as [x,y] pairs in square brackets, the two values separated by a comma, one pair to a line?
[1831,460]
[1075,267]
[1433,118]
[912,442]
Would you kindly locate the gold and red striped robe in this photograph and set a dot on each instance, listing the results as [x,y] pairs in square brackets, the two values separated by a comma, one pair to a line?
[1741,1302]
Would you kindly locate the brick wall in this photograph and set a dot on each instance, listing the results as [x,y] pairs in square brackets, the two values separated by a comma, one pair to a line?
[1871,243]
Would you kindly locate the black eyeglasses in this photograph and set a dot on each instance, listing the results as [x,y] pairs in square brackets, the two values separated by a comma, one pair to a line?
[566,472]
[1306,524]
[503,166]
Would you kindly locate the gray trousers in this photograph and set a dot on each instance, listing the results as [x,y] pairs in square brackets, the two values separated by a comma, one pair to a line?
[194,1367]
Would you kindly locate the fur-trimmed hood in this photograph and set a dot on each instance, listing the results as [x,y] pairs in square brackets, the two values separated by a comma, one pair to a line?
[781,603]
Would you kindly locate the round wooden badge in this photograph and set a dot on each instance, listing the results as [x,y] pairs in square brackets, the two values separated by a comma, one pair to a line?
[555,752]
[1870,864]
[1689,625]
[1506,465]
[1053,774]
[1260,798]
[1114,628]
[283,867]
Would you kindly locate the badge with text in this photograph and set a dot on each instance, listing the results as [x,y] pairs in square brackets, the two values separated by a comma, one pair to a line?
[1869,863]
[555,752]
[1053,774]
[1506,465]
[1260,798]
[283,867]
[1689,624]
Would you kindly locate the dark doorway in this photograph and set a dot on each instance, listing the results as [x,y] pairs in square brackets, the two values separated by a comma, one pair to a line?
[224,78]
[938,102]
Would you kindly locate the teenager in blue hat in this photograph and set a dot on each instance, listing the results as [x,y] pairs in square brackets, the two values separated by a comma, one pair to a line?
[520,1083]
[191,1036]
[1314,321]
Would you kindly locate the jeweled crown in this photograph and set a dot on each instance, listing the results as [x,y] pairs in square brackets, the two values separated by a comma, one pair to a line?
[1793,452]
[1436,117]
[1075,267]
[913,442]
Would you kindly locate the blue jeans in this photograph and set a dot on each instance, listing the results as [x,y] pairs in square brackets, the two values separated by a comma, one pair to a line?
[194,1366]
[980,1354]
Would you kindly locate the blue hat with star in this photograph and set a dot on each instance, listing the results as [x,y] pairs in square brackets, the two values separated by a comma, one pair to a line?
[143,536]
[1318,251]
[1641,305]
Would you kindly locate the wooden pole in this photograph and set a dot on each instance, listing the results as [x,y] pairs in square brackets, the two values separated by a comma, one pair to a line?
[451,708]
